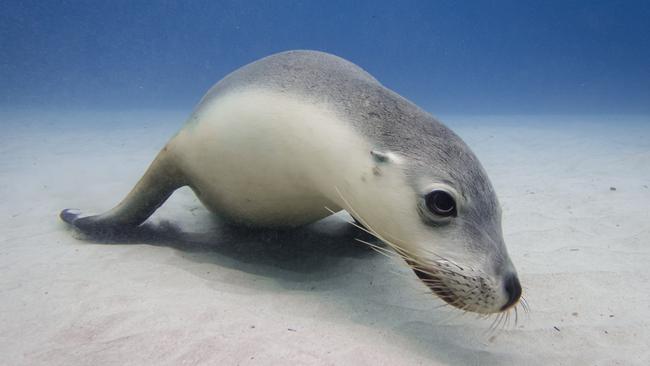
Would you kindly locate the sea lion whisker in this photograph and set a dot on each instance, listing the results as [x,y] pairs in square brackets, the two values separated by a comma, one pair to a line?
[494,326]
[383,237]
[379,249]
[503,320]
[483,316]
[524,304]
[375,247]
[440,273]
[369,227]
[353,223]
[444,304]
[449,260]
[516,316]
[497,327]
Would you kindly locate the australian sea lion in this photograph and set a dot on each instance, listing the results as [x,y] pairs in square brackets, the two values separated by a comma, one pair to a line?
[288,139]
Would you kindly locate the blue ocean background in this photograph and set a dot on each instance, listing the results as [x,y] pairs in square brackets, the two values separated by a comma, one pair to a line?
[473,57]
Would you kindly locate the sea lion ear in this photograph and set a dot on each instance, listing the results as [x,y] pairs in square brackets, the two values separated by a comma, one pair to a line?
[384,156]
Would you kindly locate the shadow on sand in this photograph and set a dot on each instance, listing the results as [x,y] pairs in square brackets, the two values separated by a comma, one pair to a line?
[316,255]
[306,251]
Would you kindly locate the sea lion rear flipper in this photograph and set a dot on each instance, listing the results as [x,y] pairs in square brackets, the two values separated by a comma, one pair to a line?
[158,183]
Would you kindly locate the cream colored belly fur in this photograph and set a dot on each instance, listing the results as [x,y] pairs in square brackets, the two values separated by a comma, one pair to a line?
[269,159]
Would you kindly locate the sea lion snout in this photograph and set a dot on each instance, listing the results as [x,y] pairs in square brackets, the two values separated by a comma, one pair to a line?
[512,288]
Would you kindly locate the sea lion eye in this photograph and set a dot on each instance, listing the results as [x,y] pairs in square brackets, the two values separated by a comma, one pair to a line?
[440,203]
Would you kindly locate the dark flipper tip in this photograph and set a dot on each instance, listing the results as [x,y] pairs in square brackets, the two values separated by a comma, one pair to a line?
[86,224]
[69,215]
[94,226]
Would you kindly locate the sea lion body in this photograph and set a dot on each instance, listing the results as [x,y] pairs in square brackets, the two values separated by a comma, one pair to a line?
[302,115]
[290,138]
[283,175]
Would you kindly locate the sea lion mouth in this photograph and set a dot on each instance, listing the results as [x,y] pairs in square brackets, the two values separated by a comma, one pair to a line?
[436,284]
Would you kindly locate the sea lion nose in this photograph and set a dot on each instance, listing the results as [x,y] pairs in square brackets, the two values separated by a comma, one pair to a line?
[513,290]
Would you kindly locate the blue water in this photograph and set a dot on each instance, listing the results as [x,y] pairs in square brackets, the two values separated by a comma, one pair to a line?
[479,57]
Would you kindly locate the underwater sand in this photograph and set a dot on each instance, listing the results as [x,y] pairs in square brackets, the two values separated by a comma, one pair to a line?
[189,290]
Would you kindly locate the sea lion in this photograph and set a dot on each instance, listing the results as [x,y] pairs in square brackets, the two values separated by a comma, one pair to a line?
[295,136]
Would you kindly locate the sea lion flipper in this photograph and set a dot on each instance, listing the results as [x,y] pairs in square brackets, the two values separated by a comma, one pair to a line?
[158,183]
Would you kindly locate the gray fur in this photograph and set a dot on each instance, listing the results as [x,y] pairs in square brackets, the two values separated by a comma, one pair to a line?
[389,121]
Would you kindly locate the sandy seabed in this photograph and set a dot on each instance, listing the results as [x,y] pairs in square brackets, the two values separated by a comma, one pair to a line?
[190,290]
